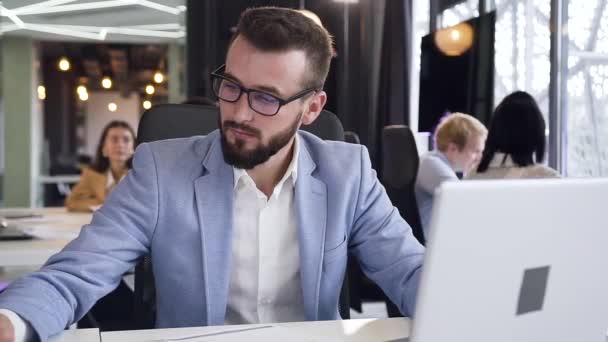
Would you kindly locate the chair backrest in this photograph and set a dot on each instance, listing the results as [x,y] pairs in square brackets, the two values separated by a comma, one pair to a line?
[399,171]
[327,126]
[185,120]
[169,121]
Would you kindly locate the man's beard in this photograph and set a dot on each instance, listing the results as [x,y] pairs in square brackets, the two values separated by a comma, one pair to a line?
[237,156]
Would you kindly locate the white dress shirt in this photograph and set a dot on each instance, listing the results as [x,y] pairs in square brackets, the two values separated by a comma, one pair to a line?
[111,183]
[265,282]
[23,331]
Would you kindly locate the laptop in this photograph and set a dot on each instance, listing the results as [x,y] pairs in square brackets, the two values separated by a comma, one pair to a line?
[10,231]
[522,260]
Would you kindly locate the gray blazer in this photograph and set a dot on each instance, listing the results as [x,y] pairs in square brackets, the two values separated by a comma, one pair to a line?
[177,204]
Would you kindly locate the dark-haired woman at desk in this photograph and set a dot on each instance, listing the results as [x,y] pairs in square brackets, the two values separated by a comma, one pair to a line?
[111,164]
[515,147]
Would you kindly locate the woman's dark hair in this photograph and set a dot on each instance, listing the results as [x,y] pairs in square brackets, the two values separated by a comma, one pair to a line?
[517,129]
[101,163]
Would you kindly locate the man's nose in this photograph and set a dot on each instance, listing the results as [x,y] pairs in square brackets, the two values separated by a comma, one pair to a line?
[242,110]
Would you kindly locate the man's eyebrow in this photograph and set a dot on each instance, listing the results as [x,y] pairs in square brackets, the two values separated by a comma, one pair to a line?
[269,89]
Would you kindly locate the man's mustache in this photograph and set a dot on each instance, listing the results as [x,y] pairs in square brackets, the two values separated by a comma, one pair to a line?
[242,127]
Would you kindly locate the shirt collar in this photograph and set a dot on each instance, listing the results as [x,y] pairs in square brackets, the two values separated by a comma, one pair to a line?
[443,157]
[290,173]
[110,179]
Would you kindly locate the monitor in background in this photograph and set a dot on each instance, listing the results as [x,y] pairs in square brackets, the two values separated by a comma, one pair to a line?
[454,80]
[521,260]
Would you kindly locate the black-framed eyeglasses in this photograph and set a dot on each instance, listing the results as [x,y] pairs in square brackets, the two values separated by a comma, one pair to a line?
[261,102]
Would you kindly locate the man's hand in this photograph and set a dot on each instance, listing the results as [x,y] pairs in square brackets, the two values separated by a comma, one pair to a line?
[7,332]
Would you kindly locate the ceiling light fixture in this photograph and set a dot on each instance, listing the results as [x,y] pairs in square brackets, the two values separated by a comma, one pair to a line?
[81,89]
[64,64]
[61,31]
[106,82]
[12,16]
[455,40]
[112,107]
[150,89]
[9,28]
[147,104]
[76,7]
[41,92]
[43,4]
[100,33]
[159,7]
[158,77]
[171,31]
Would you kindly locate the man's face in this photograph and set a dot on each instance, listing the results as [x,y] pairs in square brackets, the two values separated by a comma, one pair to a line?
[249,138]
[466,158]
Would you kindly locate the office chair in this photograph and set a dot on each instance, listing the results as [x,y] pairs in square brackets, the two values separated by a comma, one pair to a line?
[184,120]
[351,137]
[169,121]
[399,170]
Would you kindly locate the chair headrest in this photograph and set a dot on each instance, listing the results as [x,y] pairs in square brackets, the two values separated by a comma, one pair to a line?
[168,121]
[351,137]
[327,126]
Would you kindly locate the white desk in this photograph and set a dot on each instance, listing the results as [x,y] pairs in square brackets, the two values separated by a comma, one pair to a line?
[354,330]
[77,335]
[59,225]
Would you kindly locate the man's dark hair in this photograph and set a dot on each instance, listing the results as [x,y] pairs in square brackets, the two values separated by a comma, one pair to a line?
[101,164]
[276,29]
[517,129]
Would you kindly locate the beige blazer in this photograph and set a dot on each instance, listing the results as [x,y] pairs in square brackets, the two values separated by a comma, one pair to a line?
[90,191]
[504,168]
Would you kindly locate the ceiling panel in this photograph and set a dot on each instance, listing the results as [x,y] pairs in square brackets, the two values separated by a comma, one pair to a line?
[115,20]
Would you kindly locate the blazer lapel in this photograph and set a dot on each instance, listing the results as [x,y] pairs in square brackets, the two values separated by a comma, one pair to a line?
[214,198]
[311,209]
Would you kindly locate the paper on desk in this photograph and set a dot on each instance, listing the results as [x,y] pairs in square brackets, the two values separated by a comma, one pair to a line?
[265,333]
[48,233]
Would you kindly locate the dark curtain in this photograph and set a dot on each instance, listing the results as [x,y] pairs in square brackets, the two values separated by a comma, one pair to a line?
[209,26]
[390,99]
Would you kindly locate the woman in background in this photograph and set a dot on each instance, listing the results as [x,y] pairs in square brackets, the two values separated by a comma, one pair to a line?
[515,147]
[111,164]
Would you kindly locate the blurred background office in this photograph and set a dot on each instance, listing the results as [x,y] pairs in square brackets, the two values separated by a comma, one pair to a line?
[68,67]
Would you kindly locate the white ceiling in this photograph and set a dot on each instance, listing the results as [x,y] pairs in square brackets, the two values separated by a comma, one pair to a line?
[125,21]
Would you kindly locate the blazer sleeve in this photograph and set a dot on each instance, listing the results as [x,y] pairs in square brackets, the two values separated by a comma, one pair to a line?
[383,242]
[92,265]
[432,173]
[83,195]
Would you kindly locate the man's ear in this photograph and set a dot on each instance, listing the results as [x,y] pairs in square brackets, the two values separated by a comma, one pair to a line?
[453,148]
[315,106]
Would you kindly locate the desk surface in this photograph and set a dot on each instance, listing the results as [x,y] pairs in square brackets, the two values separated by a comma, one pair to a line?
[57,227]
[355,330]
[77,335]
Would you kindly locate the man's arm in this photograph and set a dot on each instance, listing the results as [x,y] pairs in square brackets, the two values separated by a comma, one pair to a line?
[432,172]
[383,242]
[92,265]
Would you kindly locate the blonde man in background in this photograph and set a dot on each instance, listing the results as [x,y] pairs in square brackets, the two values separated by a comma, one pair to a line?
[459,143]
